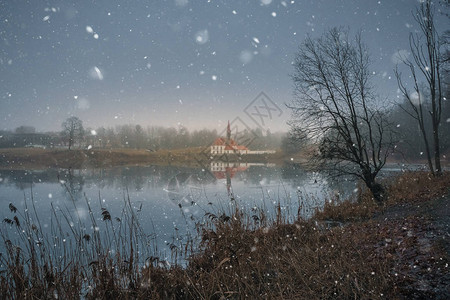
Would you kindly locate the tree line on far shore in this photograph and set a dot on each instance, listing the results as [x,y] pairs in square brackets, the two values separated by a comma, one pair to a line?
[75,136]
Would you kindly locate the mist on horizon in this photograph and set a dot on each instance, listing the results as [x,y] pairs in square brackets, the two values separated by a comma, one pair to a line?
[176,63]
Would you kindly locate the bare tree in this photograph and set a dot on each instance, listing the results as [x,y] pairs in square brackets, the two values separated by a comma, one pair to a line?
[335,107]
[72,130]
[427,63]
[25,130]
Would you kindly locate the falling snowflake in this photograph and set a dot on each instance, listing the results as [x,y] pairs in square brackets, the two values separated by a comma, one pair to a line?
[95,73]
[83,104]
[245,57]
[400,56]
[202,36]
[416,98]
[181,3]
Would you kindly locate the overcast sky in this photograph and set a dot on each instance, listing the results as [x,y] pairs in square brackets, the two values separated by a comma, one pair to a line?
[195,63]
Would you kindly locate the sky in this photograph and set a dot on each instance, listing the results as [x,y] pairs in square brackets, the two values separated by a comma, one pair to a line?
[176,62]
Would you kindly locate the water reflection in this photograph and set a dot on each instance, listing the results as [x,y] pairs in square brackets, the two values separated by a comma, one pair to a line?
[181,184]
[181,187]
[72,182]
[167,200]
[75,181]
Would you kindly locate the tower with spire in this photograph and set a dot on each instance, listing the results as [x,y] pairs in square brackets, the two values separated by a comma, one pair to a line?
[226,145]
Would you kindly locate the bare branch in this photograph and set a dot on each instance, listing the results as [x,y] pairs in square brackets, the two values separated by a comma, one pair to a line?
[336,108]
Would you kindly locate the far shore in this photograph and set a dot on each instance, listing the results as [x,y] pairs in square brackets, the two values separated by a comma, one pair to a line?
[39,159]
[36,158]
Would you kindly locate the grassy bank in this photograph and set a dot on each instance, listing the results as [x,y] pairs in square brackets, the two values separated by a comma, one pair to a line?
[399,251]
[34,158]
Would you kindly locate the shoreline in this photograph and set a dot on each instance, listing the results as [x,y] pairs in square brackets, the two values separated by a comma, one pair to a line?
[38,159]
[347,250]
[42,159]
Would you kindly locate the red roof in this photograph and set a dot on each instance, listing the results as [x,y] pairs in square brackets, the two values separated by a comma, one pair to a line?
[229,145]
[223,142]
[219,142]
[235,147]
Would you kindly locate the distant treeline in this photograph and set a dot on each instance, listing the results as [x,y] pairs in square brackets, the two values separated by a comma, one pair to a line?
[137,137]
[408,136]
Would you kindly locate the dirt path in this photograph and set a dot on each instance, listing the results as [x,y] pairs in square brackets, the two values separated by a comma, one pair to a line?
[424,265]
[435,211]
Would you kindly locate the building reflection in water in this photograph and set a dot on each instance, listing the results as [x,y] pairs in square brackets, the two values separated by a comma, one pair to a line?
[186,187]
[227,170]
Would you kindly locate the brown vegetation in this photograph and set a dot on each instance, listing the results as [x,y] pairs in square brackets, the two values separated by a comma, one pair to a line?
[47,158]
[374,254]
[34,158]
[409,188]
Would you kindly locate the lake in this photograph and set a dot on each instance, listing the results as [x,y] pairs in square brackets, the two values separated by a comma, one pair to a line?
[167,200]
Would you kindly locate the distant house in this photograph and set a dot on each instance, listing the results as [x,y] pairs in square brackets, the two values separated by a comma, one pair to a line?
[227,146]
[30,140]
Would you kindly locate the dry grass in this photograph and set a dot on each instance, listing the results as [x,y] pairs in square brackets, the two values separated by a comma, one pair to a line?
[45,158]
[360,208]
[33,158]
[239,256]
[286,262]
[410,187]
[418,186]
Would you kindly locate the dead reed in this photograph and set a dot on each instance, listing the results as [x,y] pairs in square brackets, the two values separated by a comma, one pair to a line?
[239,254]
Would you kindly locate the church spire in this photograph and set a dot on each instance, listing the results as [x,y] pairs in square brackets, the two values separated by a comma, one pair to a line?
[228,132]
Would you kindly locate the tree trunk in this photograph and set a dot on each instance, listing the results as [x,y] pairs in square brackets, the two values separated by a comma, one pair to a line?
[377,190]
[427,147]
[437,154]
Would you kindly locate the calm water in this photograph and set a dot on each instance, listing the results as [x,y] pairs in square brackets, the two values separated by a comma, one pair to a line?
[167,200]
